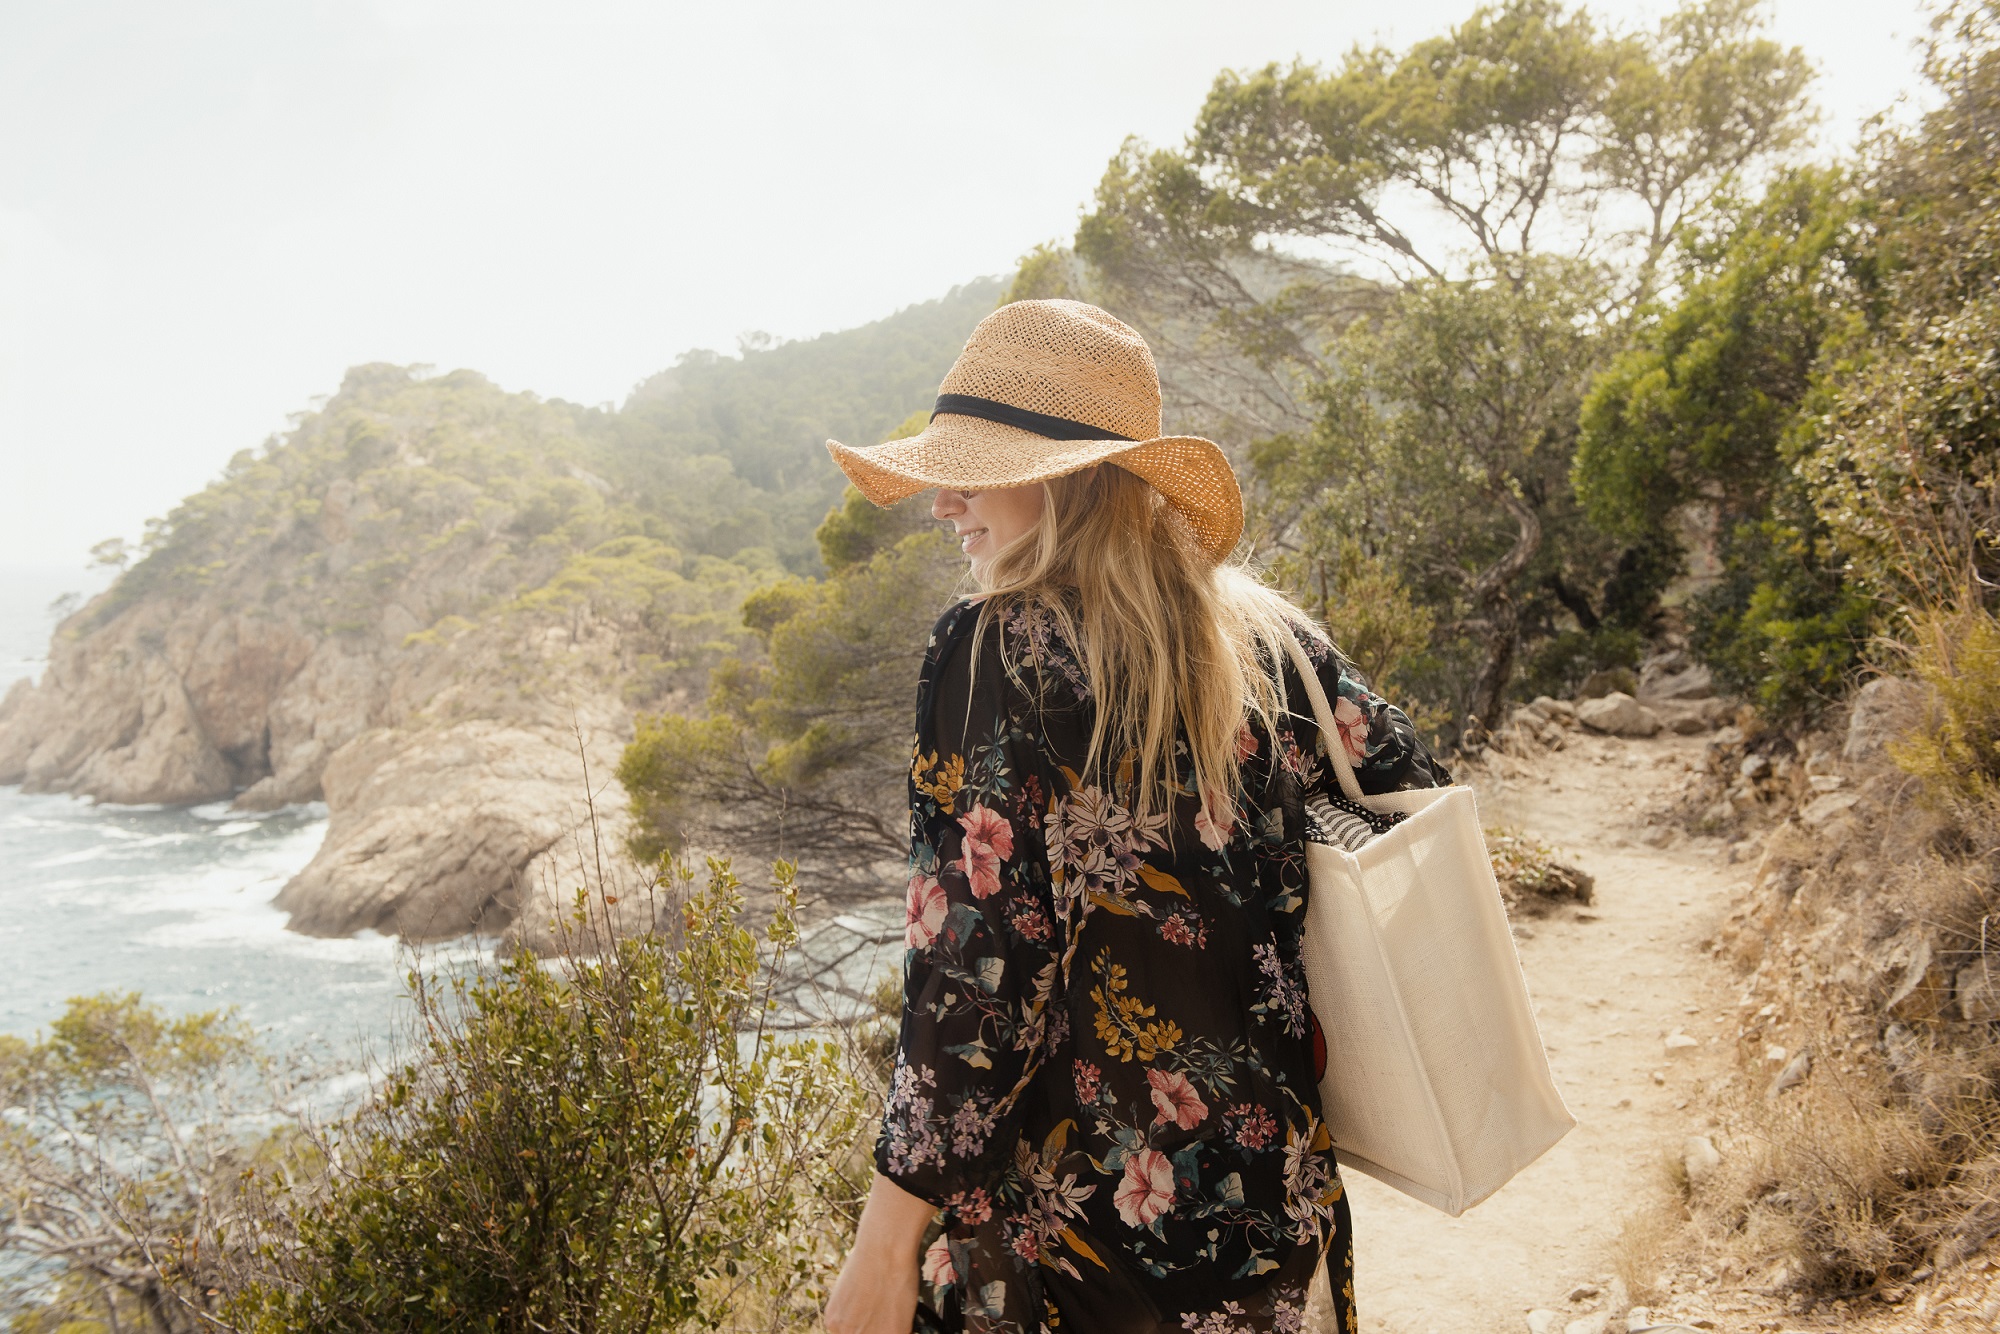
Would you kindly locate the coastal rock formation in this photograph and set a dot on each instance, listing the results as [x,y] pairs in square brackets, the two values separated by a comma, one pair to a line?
[434,830]
[415,609]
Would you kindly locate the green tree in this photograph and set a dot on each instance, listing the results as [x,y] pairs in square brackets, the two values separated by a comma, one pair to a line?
[1699,420]
[804,750]
[1464,172]
[1903,454]
[1443,448]
[126,1137]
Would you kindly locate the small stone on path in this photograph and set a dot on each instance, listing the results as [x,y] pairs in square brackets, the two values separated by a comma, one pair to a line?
[1618,714]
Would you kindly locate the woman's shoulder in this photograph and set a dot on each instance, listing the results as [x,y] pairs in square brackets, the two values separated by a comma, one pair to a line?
[1016,640]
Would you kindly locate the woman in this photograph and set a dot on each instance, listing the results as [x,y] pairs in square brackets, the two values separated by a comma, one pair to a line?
[1106,1086]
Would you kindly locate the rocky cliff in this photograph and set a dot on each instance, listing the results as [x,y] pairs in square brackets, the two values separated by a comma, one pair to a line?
[424,608]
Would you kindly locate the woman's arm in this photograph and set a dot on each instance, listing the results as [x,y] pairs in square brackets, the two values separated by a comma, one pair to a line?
[876,1292]
[1381,743]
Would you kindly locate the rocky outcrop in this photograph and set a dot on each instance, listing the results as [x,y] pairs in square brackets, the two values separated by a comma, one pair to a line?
[1881,711]
[435,831]
[176,701]
[411,609]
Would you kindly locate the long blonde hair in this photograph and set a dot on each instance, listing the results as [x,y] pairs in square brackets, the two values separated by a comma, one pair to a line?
[1170,642]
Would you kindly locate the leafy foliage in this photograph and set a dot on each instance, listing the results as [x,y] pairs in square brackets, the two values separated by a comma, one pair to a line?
[1904,456]
[803,753]
[1701,414]
[762,419]
[1443,451]
[627,1144]
[1402,268]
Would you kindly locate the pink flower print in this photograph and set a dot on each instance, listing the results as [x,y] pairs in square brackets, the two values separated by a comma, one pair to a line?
[1182,930]
[1215,833]
[1087,1077]
[972,1206]
[1175,1100]
[923,912]
[989,840]
[1246,742]
[938,1268]
[1353,726]
[1147,1190]
[1027,1245]
[1254,1125]
[1032,923]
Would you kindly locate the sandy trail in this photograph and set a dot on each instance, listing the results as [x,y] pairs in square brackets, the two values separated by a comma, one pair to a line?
[1609,983]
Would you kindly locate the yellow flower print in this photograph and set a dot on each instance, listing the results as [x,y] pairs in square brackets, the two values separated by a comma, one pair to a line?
[939,782]
[1118,1016]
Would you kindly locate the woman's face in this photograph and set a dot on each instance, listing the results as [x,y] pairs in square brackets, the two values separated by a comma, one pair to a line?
[986,521]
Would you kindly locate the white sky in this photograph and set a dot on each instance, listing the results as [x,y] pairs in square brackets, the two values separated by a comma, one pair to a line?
[208,210]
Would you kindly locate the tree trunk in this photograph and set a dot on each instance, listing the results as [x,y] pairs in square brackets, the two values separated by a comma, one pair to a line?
[1489,689]
[1492,591]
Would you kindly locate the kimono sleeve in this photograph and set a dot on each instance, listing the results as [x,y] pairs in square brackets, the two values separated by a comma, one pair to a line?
[1381,742]
[980,954]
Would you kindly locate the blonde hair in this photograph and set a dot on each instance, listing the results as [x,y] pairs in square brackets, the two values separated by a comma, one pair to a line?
[1170,642]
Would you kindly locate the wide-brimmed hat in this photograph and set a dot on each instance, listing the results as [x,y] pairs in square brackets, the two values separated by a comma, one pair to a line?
[1043,389]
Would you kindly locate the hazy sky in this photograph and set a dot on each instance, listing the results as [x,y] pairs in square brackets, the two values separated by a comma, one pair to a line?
[208,210]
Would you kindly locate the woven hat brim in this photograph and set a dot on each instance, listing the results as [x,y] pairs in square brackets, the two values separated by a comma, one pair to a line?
[972,454]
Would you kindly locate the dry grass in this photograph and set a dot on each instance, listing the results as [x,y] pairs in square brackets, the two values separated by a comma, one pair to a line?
[1864,944]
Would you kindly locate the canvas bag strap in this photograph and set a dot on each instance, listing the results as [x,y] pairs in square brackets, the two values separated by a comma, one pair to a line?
[1336,748]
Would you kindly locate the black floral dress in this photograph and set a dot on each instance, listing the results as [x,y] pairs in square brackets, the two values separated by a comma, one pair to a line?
[1106,1076]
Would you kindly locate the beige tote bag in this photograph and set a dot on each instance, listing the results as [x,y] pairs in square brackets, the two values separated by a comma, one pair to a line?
[1436,1080]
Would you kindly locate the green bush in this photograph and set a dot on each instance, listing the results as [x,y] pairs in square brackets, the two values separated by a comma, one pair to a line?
[624,1143]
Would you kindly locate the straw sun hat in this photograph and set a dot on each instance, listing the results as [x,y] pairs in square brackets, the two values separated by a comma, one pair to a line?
[1043,389]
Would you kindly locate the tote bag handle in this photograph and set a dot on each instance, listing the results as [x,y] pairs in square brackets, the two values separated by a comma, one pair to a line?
[1329,729]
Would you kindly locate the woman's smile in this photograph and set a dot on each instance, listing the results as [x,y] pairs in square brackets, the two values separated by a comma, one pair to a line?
[984,522]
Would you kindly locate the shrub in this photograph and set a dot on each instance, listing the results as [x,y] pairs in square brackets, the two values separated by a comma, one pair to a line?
[1957,654]
[126,1135]
[625,1142]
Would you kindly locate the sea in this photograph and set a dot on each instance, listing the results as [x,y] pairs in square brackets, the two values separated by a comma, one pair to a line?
[172,902]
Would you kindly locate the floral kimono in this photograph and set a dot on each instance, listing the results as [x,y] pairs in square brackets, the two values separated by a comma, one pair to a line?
[1106,1077]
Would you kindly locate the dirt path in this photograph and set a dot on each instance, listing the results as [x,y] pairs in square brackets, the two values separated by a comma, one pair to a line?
[1609,983]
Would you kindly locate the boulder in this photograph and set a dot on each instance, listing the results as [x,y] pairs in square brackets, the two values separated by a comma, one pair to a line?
[1792,1075]
[1610,680]
[1618,714]
[1882,710]
[1555,710]
[433,832]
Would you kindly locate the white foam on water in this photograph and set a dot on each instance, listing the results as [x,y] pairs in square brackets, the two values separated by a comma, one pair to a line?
[177,904]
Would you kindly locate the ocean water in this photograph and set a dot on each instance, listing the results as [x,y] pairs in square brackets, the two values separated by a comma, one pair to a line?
[171,902]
